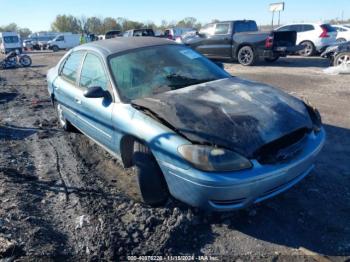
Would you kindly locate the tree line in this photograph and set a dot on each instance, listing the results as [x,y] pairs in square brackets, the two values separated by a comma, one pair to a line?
[23,32]
[100,25]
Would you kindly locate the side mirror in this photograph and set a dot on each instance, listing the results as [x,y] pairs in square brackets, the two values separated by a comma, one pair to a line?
[95,92]
[201,35]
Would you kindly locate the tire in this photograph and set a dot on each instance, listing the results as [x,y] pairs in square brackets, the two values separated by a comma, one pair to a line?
[340,40]
[62,121]
[342,58]
[271,60]
[150,184]
[25,61]
[309,49]
[246,56]
[55,48]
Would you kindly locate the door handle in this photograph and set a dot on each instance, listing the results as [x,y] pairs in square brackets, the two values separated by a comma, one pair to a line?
[78,101]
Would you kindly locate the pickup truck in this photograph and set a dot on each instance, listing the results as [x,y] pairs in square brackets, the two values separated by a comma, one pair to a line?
[241,40]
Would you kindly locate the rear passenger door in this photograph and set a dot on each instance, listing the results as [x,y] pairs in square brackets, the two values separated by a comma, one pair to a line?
[65,90]
[305,32]
[96,113]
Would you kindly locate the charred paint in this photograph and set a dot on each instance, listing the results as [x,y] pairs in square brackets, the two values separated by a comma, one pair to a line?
[231,113]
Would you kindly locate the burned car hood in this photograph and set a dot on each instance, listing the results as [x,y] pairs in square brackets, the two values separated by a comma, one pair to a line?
[231,113]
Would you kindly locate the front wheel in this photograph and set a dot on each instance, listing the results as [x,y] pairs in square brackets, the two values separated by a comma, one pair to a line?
[25,61]
[246,56]
[151,187]
[55,48]
[342,59]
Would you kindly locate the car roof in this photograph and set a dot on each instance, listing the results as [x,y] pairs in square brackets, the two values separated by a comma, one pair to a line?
[305,23]
[121,44]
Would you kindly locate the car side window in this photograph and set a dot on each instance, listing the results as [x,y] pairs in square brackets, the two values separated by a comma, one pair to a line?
[306,28]
[93,73]
[71,66]
[222,29]
[309,27]
[285,28]
[207,29]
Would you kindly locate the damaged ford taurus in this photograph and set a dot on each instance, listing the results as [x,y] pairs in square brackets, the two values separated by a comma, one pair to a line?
[186,127]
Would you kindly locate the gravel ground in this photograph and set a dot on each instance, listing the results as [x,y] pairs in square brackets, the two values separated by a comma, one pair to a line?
[61,196]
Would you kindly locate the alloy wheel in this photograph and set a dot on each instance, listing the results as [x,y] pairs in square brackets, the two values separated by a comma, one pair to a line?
[245,56]
[343,59]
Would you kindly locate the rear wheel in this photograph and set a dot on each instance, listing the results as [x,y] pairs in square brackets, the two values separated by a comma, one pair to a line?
[246,56]
[151,187]
[342,59]
[309,49]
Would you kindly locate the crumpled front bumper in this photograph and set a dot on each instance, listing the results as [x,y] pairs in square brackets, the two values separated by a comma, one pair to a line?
[235,190]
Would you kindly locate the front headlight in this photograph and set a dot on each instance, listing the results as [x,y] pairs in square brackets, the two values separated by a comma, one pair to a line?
[207,158]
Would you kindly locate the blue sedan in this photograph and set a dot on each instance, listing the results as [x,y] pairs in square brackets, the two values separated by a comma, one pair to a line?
[187,127]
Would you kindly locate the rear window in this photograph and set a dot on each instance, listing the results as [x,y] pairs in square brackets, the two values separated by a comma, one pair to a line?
[11,39]
[308,28]
[245,26]
[328,27]
[71,66]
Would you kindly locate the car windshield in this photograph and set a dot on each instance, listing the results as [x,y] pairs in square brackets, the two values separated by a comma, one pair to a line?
[149,71]
[11,39]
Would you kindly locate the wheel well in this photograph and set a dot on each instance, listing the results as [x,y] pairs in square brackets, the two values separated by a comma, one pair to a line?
[127,149]
[307,41]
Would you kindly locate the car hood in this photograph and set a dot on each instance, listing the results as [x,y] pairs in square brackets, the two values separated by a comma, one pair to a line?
[231,113]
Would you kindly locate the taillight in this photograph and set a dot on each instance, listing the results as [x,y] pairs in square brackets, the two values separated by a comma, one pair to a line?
[324,33]
[269,42]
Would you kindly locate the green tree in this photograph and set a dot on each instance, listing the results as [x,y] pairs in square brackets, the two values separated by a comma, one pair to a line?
[66,23]
[188,22]
[24,32]
[109,24]
[94,25]
[9,28]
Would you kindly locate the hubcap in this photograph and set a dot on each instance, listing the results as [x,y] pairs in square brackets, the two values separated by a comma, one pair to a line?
[344,59]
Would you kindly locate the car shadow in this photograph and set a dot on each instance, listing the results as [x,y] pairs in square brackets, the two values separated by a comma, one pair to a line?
[38,66]
[6,97]
[298,61]
[290,61]
[15,133]
[314,214]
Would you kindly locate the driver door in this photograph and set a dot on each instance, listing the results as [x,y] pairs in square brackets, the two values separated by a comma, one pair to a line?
[96,113]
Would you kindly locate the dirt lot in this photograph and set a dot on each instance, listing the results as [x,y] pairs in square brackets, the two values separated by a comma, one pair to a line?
[60,195]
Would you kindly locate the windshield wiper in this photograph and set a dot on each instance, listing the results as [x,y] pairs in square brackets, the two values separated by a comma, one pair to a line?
[178,81]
